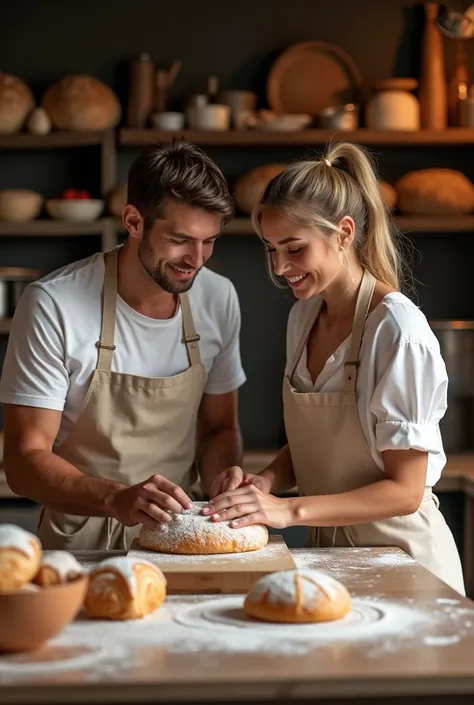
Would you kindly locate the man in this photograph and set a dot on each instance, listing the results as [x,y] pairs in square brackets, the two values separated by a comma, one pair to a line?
[117,382]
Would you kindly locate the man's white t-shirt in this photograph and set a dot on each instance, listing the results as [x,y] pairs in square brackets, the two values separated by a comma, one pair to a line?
[52,351]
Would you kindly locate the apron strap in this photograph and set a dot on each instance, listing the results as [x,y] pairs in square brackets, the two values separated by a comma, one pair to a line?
[364,299]
[106,344]
[190,337]
[304,339]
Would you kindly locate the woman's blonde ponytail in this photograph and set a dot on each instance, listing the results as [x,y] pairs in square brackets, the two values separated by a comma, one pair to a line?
[377,250]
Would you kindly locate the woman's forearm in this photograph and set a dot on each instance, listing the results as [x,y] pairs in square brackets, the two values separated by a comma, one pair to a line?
[280,472]
[380,500]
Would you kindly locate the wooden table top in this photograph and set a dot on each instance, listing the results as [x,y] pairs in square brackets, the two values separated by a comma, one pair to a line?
[409,635]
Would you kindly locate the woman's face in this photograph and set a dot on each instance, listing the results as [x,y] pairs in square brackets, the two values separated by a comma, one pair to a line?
[307,259]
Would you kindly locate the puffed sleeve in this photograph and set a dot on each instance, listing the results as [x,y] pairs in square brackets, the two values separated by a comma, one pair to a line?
[410,398]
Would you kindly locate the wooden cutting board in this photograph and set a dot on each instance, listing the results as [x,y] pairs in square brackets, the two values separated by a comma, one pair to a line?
[218,573]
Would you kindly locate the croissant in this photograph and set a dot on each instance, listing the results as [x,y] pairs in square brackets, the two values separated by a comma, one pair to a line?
[57,567]
[124,588]
[20,555]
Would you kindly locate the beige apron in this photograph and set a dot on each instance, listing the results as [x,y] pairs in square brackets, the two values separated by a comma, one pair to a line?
[129,428]
[330,455]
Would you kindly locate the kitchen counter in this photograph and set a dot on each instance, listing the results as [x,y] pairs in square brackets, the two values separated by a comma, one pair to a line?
[409,635]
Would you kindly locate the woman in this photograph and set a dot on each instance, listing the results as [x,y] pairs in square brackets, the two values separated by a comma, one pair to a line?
[365,384]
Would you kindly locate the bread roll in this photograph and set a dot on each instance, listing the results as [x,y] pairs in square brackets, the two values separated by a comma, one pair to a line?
[20,555]
[81,103]
[388,195]
[249,188]
[297,596]
[194,533]
[117,199]
[57,567]
[124,588]
[435,192]
[16,102]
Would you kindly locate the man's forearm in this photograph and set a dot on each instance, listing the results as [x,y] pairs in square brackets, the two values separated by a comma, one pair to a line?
[49,480]
[218,452]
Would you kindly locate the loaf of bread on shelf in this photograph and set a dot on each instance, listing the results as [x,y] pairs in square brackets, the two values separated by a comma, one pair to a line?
[388,195]
[435,192]
[249,188]
[56,568]
[81,103]
[297,596]
[192,532]
[16,103]
[20,555]
[124,588]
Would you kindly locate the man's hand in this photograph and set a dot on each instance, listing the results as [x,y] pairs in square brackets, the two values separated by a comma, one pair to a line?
[148,503]
[233,478]
[226,481]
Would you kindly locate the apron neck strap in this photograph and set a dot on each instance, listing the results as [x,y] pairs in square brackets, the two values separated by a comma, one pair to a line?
[190,337]
[364,299]
[109,303]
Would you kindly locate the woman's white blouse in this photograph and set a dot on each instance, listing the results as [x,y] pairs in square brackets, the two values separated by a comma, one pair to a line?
[402,381]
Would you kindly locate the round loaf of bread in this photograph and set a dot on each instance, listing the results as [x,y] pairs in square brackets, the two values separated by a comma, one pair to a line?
[249,188]
[81,103]
[435,192]
[194,533]
[297,597]
[16,102]
[20,555]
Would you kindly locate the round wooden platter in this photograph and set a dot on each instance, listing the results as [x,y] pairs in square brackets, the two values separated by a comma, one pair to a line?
[311,76]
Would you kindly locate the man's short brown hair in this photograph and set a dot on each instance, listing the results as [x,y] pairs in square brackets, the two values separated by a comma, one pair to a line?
[177,171]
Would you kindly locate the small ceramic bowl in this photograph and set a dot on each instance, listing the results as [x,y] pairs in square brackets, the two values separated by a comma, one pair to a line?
[209,117]
[20,205]
[30,617]
[168,121]
[84,210]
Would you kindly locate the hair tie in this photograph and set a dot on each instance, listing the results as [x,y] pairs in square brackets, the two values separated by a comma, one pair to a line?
[327,161]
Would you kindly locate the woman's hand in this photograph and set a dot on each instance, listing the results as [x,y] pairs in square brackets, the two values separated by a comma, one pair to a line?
[250,505]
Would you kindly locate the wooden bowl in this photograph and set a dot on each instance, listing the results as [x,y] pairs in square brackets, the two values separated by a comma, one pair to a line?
[30,618]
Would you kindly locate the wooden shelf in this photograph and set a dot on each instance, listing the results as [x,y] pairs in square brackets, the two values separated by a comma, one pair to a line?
[5,325]
[55,139]
[407,224]
[56,228]
[131,137]
[238,226]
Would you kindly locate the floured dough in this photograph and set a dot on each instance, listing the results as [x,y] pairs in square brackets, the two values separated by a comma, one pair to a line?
[194,533]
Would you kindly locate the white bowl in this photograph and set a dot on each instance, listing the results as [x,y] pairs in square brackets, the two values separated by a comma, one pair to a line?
[168,121]
[81,209]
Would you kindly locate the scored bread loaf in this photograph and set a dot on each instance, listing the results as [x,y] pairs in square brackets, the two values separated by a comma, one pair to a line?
[297,596]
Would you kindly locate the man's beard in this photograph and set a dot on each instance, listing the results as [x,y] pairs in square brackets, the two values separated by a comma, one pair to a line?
[159,274]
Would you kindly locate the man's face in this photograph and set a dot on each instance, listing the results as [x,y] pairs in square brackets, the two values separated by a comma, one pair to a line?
[176,247]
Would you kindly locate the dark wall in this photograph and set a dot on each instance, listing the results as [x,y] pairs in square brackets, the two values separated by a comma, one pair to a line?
[42,41]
